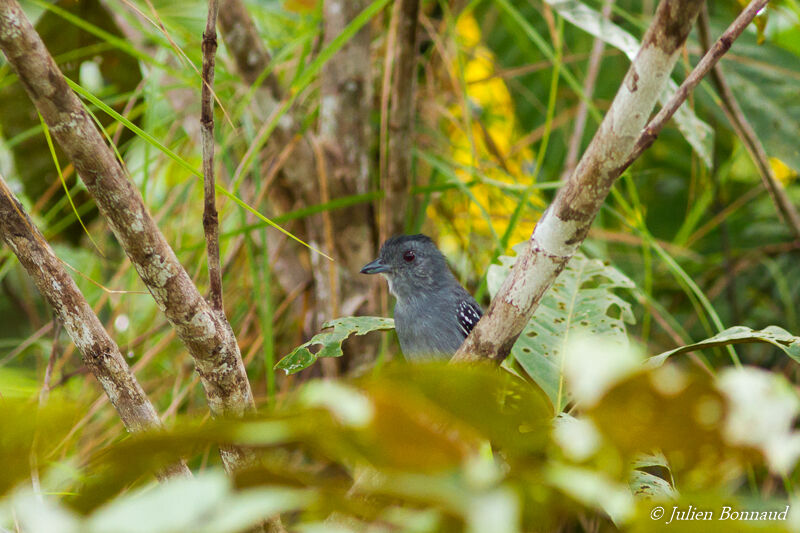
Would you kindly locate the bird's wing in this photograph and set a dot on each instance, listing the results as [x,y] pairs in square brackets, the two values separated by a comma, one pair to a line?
[468,315]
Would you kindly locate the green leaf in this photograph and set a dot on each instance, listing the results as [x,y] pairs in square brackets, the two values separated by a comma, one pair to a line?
[651,477]
[331,341]
[774,335]
[581,300]
[646,486]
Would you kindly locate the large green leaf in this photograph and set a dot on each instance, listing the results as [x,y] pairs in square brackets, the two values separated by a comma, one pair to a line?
[331,341]
[581,300]
[774,335]
[651,477]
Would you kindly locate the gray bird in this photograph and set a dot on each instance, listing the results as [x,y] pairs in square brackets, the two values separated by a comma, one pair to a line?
[434,313]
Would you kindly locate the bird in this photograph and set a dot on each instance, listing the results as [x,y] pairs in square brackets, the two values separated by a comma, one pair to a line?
[433,313]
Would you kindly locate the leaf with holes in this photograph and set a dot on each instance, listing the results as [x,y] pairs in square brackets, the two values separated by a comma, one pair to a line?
[582,300]
[651,477]
[774,335]
[331,341]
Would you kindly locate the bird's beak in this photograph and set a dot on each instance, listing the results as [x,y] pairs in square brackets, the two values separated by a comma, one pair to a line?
[375,267]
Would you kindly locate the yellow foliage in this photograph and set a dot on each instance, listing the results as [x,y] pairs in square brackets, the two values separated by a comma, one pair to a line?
[484,146]
[783,172]
[300,6]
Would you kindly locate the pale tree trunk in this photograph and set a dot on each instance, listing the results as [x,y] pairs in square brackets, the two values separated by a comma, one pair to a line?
[565,224]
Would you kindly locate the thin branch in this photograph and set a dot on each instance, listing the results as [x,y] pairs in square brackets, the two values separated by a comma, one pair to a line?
[786,209]
[100,353]
[327,289]
[27,342]
[210,217]
[206,334]
[565,224]
[723,44]
[595,58]
[44,393]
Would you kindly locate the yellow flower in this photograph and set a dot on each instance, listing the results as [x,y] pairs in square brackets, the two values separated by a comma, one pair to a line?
[782,172]
[485,151]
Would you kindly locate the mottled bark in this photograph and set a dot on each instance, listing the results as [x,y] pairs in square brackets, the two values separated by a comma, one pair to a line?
[401,121]
[100,353]
[565,224]
[206,334]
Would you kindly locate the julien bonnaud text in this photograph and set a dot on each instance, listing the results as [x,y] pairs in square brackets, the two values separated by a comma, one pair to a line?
[724,513]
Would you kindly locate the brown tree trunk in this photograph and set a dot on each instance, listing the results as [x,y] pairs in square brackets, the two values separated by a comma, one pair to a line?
[402,115]
[344,133]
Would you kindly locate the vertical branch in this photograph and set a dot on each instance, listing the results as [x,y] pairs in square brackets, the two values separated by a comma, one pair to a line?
[100,353]
[565,224]
[345,95]
[401,120]
[210,217]
[44,393]
[786,209]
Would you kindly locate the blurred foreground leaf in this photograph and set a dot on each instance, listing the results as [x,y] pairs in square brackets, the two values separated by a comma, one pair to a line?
[511,413]
[450,447]
[28,436]
[206,503]
[678,413]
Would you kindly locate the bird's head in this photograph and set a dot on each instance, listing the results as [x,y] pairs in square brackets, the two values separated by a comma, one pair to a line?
[412,264]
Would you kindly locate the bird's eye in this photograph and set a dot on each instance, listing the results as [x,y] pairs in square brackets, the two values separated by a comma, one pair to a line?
[409,256]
